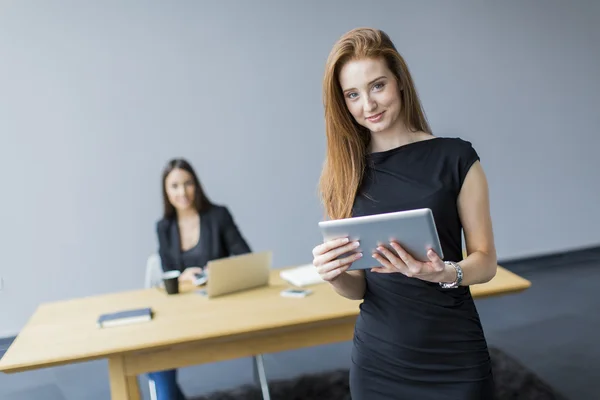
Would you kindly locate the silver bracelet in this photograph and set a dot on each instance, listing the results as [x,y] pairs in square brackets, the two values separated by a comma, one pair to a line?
[459,276]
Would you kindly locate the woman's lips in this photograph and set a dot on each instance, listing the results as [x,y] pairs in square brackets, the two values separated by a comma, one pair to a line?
[376,117]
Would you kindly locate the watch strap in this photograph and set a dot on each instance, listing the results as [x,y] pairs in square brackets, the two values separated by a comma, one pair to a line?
[459,276]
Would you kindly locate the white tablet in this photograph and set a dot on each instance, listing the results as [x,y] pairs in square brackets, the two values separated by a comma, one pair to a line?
[414,230]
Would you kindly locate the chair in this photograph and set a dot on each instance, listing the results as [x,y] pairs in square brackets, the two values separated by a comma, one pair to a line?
[153,276]
[153,279]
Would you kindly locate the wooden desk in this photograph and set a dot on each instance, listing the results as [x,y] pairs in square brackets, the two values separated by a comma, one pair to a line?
[190,329]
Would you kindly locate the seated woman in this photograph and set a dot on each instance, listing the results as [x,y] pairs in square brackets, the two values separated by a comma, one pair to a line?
[192,232]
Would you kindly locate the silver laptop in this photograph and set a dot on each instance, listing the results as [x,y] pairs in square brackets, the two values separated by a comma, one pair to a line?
[237,273]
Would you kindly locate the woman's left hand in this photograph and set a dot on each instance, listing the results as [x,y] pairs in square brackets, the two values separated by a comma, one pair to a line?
[433,270]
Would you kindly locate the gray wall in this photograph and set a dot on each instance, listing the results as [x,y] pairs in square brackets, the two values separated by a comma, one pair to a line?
[96,96]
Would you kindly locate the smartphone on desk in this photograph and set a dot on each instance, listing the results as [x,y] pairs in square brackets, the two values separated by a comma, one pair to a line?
[292,292]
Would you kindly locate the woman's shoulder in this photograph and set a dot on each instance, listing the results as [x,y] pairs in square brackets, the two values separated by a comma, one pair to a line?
[215,209]
[217,212]
[458,155]
[456,149]
[163,224]
[454,142]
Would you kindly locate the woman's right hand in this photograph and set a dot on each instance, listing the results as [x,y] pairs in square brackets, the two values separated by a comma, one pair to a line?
[189,274]
[325,254]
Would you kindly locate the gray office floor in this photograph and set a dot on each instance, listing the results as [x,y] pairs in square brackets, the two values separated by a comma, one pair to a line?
[552,328]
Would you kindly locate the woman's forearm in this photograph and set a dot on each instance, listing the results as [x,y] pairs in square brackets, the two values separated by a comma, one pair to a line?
[478,267]
[350,284]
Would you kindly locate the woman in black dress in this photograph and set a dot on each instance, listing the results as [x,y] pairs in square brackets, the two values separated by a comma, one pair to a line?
[418,335]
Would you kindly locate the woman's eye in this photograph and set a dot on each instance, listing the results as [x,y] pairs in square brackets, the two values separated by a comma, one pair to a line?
[352,95]
[379,86]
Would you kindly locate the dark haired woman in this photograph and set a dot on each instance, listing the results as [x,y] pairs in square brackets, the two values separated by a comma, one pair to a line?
[192,232]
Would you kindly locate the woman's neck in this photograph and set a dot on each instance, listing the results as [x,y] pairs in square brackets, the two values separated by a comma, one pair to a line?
[394,137]
[187,214]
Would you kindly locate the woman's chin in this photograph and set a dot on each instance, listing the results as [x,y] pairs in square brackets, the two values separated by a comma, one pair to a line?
[378,128]
[183,207]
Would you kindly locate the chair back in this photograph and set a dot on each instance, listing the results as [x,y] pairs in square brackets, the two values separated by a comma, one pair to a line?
[154,271]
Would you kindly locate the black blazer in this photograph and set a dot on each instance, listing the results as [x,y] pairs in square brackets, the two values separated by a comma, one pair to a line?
[219,238]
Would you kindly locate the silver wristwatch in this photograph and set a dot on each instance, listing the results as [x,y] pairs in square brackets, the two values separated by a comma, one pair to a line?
[459,276]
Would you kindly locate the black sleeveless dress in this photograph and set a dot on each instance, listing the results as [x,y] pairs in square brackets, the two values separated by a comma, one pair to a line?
[414,340]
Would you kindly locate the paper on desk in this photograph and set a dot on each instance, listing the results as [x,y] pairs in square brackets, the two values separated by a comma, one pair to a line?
[303,275]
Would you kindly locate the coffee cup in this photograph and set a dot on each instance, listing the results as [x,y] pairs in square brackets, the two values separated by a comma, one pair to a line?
[171,280]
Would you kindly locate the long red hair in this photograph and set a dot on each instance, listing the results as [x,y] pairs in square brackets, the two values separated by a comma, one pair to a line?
[347,141]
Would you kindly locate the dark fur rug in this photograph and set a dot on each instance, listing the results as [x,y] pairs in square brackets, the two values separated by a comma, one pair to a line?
[513,382]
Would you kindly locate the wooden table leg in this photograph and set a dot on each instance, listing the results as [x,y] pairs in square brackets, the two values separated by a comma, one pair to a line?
[122,387]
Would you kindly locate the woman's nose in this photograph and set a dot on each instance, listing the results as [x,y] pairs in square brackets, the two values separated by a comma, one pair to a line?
[369,104]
